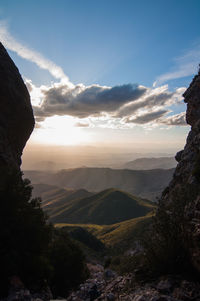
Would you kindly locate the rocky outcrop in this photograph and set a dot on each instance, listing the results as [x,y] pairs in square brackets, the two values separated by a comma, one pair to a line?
[125,288]
[16,125]
[16,115]
[185,185]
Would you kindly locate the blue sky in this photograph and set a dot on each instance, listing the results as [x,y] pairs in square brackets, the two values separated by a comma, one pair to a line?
[110,43]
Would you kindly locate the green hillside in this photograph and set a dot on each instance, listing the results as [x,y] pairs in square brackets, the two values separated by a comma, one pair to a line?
[114,217]
[120,236]
[55,199]
[50,193]
[104,208]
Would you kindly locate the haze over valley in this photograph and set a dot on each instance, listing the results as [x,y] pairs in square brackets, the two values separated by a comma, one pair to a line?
[50,157]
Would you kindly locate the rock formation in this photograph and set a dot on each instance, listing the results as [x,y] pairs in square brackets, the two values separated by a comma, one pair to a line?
[185,185]
[124,288]
[16,115]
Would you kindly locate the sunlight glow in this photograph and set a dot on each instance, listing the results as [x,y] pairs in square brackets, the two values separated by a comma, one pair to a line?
[60,130]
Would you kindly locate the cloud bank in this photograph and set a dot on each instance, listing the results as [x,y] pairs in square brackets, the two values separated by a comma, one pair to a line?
[125,104]
[117,106]
[178,119]
[84,101]
[147,117]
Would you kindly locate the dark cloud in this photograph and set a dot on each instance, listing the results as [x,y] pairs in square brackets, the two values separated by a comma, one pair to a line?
[178,119]
[86,101]
[147,117]
[123,101]
[148,102]
[158,118]
[159,99]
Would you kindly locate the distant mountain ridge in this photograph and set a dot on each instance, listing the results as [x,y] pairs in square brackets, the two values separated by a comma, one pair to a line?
[143,183]
[55,198]
[151,163]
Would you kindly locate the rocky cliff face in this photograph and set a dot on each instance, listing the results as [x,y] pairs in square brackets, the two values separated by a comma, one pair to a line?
[16,115]
[185,185]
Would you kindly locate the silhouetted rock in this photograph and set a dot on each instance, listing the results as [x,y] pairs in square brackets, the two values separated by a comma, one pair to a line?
[178,156]
[16,125]
[192,98]
[16,115]
[185,185]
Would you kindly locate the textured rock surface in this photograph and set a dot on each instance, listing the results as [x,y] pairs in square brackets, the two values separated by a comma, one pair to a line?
[124,288]
[185,184]
[16,115]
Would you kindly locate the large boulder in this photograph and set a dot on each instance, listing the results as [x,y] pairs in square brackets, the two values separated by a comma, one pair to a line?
[16,115]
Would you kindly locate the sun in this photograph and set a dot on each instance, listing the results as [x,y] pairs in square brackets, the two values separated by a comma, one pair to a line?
[60,130]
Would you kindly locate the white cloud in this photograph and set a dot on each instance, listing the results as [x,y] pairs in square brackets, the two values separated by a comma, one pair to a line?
[185,65]
[84,101]
[120,106]
[31,55]
[108,107]
[147,117]
[177,119]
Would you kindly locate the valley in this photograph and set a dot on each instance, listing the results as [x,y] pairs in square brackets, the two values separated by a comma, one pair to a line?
[108,220]
[83,201]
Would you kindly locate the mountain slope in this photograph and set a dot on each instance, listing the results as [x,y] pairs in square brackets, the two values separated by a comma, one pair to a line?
[143,183]
[46,191]
[120,236]
[151,163]
[104,208]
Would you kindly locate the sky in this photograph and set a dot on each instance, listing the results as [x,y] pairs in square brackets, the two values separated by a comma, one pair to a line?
[105,73]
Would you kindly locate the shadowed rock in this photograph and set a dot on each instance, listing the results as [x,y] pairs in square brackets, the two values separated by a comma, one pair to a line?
[185,185]
[192,98]
[16,115]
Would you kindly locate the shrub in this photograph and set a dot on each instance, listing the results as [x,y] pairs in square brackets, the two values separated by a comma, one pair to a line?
[167,247]
[68,262]
[124,264]
[167,244]
[87,238]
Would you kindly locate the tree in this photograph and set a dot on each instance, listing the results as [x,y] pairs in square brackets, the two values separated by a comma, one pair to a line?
[30,247]
[24,234]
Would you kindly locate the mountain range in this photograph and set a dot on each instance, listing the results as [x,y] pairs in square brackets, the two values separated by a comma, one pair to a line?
[143,183]
[80,206]
[111,217]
